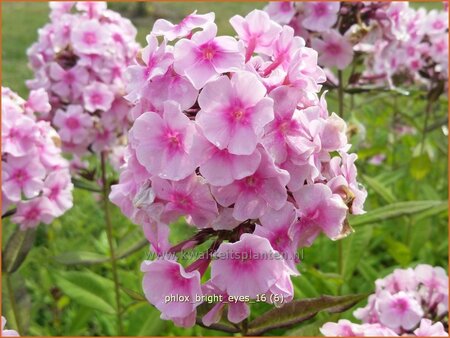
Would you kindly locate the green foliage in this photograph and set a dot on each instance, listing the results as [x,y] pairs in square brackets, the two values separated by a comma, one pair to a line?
[299,311]
[64,285]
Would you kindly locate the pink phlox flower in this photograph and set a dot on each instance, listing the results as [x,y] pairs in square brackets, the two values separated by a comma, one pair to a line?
[184,27]
[234,112]
[204,57]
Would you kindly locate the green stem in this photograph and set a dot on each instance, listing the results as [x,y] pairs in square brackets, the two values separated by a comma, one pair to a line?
[341,94]
[425,125]
[12,301]
[109,231]
[394,141]
[340,257]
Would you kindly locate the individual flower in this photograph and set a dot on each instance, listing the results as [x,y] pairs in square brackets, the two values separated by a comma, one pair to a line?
[205,56]
[69,83]
[334,49]
[428,329]
[97,96]
[252,195]
[256,30]
[281,11]
[73,123]
[275,226]
[184,27]
[319,211]
[234,112]
[171,136]
[22,175]
[190,196]
[221,168]
[236,311]
[320,16]
[343,328]
[155,61]
[166,278]
[248,259]
[399,310]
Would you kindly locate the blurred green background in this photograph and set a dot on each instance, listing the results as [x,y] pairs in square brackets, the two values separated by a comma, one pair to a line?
[57,297]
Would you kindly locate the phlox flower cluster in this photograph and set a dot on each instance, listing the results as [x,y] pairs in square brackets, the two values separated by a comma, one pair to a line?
[395,42]
[230,133]
[406,302]
[79,59]
[407,45]
[36,185]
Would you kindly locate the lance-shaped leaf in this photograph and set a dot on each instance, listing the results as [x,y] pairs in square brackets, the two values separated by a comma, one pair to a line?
[394,210]
[80,257]
[298,311]
[85,185]
[380,189]
[17,249]
[88,289]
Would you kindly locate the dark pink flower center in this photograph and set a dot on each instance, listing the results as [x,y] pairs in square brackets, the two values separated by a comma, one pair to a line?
[54,193]
[33,214]
[14,133]
[174,140]
[69,78]
[252,183]
[208,51]
[103,135]
[21,176]
[401,305]
[72,123]
[438,24]
[285,6]
[320,9]
[238,114]
[96,98]
[333,48]
[182,201]
[280,241]
[117,38]
[89,38]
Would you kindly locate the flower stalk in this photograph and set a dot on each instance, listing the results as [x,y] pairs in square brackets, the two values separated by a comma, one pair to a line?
[109,231]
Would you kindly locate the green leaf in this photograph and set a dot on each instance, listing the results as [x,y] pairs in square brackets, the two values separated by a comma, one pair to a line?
[353,248]
[17,249]
[88,289]
[134,294]
[441,208]
[85,185]
[399,251]
[393,210]
[367,271]
[298,311]
[380,189]
[420,166]
[80,257]
[152,325]
[125,251]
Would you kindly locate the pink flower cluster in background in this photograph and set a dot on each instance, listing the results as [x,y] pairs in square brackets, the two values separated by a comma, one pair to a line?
[406,302]
[396,43]
[79,59]
[231,134]
[36,185]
